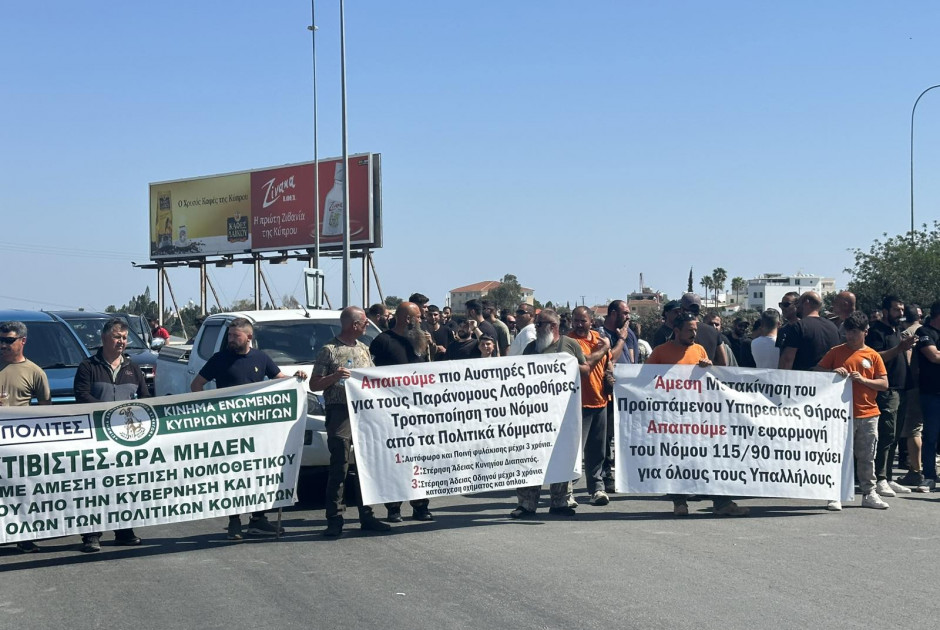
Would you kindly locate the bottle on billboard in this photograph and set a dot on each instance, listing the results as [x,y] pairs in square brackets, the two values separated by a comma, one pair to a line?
[333,205]
[183,236]
[164,222]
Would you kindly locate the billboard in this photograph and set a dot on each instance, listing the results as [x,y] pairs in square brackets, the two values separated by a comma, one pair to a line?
[266,210]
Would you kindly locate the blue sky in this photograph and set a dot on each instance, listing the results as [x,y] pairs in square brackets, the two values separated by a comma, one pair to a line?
[575,145]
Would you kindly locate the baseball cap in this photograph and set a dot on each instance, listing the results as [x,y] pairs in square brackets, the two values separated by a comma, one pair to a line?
[671,305]
[690,299]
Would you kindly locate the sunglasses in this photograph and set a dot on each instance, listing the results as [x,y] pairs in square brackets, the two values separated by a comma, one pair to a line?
[786,304]
[8,340]
[521,312]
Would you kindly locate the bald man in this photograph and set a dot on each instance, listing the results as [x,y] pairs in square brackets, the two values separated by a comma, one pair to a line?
[809,339]
[403,344]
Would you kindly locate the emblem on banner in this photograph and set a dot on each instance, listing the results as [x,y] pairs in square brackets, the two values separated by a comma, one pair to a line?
[130,424]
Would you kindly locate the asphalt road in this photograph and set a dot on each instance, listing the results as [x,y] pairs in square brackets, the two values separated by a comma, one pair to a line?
[629,564]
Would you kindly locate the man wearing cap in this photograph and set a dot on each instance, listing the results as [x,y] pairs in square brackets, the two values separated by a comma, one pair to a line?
[664,334]
[20,380]
[707,336]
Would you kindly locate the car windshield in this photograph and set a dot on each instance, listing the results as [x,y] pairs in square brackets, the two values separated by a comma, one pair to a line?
[50,345]
[299,342]
[89,331]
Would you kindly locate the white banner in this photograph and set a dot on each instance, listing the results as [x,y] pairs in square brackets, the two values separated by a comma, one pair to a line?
[90,468]
[459,427]
[733,431]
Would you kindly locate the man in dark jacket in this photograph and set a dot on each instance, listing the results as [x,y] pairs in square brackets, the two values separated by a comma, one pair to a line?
[109,376]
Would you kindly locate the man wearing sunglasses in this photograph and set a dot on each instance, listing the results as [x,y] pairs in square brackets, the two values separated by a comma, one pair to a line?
[525,315]
[790,315]
[21,380]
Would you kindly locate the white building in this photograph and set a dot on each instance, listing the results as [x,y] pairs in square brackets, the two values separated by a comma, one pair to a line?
[767,290]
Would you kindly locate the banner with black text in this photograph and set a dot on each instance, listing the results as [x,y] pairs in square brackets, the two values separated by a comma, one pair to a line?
[459,427]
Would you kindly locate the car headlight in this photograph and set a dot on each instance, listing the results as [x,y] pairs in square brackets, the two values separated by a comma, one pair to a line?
[316,405]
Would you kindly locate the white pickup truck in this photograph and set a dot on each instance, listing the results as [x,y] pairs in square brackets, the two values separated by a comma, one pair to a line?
[292,338]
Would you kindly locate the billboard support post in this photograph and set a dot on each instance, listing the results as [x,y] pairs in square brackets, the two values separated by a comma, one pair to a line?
[202,288]
[315,259]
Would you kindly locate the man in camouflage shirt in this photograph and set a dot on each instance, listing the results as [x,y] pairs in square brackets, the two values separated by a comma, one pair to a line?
[330,371]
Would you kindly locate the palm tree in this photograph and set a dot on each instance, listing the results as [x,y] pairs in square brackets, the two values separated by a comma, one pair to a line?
[738,285]
[708,283]
[719,276]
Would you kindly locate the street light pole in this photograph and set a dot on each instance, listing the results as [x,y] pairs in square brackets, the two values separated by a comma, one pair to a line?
[315,260]
[913,109]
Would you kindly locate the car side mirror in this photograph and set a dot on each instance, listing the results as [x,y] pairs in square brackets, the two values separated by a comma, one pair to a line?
[157,343]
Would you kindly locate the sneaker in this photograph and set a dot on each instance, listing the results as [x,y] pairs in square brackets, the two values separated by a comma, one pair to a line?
[422,515]
[566,510]
[521,512]
[680,509]
[90,544]
[372,524]
[234,528]
[27,546]
[898,488]
[732,509]
[609,485]
[912,478]
[600,498]
[927,485]
[394,516]
[334,527]
[872,500]
[834,506]
[883,489]
[261,526]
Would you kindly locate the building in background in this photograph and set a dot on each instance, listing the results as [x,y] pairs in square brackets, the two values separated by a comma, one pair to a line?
[766,290]
[478,291]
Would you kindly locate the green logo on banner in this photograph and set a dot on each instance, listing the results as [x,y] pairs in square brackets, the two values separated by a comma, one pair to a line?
[130,424]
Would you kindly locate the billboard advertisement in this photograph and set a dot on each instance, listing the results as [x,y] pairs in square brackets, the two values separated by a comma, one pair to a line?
[266,210]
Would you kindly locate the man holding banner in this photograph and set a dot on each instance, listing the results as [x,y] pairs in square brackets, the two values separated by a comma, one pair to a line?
[682,350]
[240,364]
[549,340]
[106,377]
[330,371]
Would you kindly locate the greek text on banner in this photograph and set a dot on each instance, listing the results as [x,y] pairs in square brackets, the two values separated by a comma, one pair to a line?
[90,468]
[458,427]
[733,431]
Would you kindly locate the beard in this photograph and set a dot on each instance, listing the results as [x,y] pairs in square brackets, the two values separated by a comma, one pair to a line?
[417,340]
[544,339]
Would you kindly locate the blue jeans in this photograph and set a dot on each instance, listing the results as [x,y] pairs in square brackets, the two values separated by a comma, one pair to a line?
[930,406]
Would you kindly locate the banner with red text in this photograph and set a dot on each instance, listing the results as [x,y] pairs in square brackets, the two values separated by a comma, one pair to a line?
[459,427]
[733,431]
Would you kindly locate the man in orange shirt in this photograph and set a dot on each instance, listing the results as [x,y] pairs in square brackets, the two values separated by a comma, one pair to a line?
[866,369]
[682,350]
[593,402]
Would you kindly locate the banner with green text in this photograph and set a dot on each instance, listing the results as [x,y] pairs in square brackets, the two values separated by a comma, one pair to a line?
[89,468]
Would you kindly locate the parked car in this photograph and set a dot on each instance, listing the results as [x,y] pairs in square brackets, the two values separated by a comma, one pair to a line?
[87,325]
[292,338]
[52,345]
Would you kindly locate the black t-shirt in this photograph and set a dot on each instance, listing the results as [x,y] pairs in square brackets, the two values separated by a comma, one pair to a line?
[709,338]
[390,348]
[882,337]
[469,349]
[782,333]
[442,337]
[487,329]
[742,351]
[812,337]
[228,369]
[662,335]
[929,377]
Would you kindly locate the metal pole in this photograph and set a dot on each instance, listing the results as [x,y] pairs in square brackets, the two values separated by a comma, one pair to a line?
[257,268]
[366,255]
[913,109]
[347,285]
[202,288]
[315,259]
[159,294]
